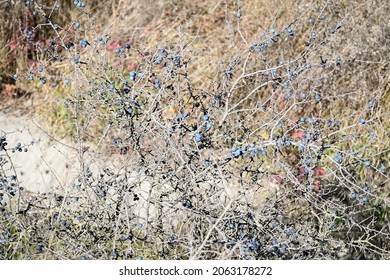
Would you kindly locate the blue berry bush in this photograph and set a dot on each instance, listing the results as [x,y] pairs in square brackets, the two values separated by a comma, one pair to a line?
[278,151]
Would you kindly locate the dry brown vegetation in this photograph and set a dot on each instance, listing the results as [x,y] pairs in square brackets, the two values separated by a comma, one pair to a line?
[340,62]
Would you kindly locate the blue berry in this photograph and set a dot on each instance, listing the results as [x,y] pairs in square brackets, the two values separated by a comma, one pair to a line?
[114,254]
[362,121]
[83,43]
[283,248]
[39,248]
[159,60]
[198,137]
[338,158]
[180,116]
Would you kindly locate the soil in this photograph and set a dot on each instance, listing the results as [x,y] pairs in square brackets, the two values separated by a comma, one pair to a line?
[46,162]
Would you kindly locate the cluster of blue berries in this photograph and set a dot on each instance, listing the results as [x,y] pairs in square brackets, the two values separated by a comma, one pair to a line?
[134,75]
[79,3]
[27,33]
[18,147]
[246,151]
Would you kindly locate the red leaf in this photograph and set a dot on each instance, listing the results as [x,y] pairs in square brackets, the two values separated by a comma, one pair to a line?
[277,179]
[320,171]
[298,134]
[32,64]
[317,186]
[13,45]
[131,65]
[113,46]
